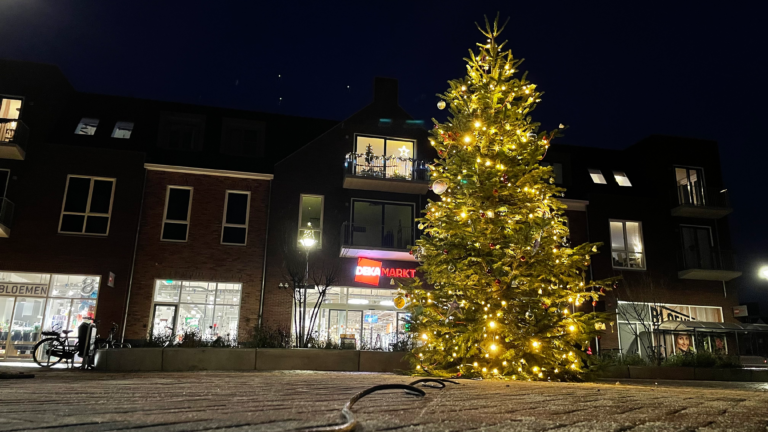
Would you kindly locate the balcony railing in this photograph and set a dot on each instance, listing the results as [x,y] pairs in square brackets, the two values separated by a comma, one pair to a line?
[6,217]
[377,236]
[364,172]
[695,201]
[13,138]
[713,264]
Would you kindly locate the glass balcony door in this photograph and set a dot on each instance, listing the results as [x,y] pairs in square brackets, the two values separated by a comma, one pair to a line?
[381,224]
[690,186]
[698,250]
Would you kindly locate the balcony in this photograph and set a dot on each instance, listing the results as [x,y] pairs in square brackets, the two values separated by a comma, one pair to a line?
[708,264]
[386,174]
[699,202]
[6,218]
[379,241]
[13,139]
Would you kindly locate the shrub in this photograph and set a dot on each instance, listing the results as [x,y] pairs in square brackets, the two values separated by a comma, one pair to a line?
[613,358]
[405,342]
[270,337]
[702,359]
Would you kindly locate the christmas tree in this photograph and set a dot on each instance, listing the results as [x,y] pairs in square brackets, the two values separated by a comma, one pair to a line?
[507,288]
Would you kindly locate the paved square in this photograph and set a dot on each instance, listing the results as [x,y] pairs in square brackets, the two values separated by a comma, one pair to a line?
[275,401]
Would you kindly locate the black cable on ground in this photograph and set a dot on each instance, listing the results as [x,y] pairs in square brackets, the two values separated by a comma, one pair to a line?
[346,412]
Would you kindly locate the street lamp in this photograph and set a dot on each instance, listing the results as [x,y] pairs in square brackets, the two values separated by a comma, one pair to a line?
[763,272]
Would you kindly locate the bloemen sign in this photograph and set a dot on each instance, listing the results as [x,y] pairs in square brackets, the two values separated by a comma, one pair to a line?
[369,271]
[27,289]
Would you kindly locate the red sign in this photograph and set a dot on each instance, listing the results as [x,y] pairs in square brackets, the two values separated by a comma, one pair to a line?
[369,271]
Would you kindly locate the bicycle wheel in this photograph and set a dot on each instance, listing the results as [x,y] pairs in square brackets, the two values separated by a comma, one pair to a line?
[121,345]
[45,352]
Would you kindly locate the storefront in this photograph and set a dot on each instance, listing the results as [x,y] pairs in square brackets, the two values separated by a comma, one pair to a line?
[31,303]
[364,308]
[209,309]
[639,332]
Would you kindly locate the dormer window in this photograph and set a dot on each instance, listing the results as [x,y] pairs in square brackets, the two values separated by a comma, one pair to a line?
[122,130]
[597,176]
[621,179]
[87,126]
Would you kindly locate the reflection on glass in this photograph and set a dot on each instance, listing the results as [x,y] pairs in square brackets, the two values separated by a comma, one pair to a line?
[82,309]
[198,292]
[225,322]
[25,328]
[6,312]
[167,291]
[163,321]
[197,318]
[75,286]
[57,315]
[228,294]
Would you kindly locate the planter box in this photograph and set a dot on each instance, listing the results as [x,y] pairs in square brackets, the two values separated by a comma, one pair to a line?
[715,374]
[308,359]
[192,359]
[614,372]
[759,375]
[117,360]
[661,372]
[380,361]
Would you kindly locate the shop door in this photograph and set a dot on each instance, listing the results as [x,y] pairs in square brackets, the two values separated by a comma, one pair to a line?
[380,329]
[163,321]
[25,327]
[6,313]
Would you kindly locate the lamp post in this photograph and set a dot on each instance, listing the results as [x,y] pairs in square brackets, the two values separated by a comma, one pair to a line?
[307,242]
[763,272]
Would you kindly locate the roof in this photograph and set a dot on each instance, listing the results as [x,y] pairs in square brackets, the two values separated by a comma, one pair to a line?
[711,326]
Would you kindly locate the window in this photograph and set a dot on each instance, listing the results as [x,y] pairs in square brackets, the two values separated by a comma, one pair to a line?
[181,131]
[384,157]
[178,206]
[210,309]
[311,217]
[381,224]
[627,245]
[10,108]
[122,130]
[690,186]
[698,248]
[242,138]
[597,176]
[87,205]
[557,171]
[87,126]
[235,226]
[622,178]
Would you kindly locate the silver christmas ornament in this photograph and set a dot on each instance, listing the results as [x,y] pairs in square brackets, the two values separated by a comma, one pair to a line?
[439,186]
[441,105]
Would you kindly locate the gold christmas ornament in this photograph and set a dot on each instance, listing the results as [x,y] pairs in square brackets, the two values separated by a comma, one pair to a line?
[441,105]
[399,302]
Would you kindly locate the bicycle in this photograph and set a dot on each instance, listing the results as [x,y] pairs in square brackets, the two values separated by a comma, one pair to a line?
[55,348]
[110,341]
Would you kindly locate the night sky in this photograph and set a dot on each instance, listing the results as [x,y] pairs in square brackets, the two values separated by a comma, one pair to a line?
[613,72]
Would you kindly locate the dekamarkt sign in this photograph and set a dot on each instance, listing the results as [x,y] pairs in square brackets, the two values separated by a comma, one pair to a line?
[27,289]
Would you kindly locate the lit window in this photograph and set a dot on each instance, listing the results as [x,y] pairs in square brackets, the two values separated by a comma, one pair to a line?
[384,157]
[235,226]
[178,205]
[87,205]
[597,176]
[621,178]
[311,218]
[87,126]
[627,245]
[122,130]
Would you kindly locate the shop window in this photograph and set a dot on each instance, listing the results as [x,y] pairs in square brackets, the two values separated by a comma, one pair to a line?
[311,218]
[234,229]
[75,286]
[87,205]
[209,309]
[622,179]
[122,130]
[597,176]
[178,206]
[87,126]
[181,131]
[242,137]
[627,245]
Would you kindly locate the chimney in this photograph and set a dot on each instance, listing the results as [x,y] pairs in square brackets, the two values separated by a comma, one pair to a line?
[385,91]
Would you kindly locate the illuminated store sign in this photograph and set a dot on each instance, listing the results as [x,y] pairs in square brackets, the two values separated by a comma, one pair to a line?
[369,271]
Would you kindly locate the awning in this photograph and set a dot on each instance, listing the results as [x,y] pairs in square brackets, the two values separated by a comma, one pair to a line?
[689,326]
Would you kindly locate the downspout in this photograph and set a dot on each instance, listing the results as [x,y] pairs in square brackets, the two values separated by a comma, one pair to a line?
[264,264]
[133,262]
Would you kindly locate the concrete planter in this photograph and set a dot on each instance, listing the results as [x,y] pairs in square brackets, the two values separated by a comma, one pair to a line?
[714,374]
[759,376]
[614,372]
[308,359]
[191,359]
[661,372]
[118,360]
[379,361]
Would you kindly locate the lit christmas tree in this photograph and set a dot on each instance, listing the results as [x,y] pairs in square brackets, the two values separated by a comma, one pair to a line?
[507,285]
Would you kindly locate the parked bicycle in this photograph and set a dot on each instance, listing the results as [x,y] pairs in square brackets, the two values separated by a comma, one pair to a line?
[55,348]
[110,341]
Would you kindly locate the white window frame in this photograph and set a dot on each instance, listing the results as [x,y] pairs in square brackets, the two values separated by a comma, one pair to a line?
[88,206]
[165,212]
[224,223]
[622,174]
[596,173]
[626,244]
[322,215]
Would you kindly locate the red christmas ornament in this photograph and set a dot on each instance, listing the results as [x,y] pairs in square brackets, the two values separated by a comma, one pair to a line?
[488,270]
[445,251]
[482,215]
[522,258]
[492,245]
[498,282]
[602,290]
[594,303]
[589,351]
[410,251]
[495,191]
[544,305]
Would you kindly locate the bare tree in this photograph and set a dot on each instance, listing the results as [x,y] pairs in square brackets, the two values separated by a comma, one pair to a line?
[309,274]
[640,298]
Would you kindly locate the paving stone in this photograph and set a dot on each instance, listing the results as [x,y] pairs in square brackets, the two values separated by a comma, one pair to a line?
[73,400]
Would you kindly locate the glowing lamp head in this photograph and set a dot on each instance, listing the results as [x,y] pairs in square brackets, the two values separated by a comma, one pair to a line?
[763,273]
